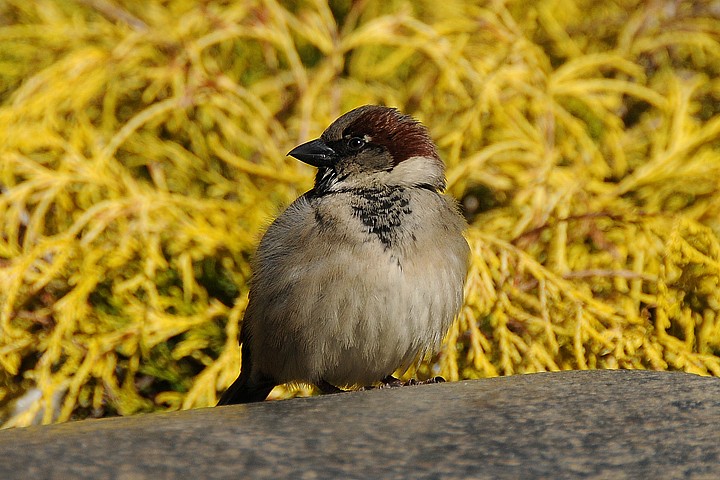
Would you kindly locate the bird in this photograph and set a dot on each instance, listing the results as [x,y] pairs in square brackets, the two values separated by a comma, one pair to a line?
[363,274]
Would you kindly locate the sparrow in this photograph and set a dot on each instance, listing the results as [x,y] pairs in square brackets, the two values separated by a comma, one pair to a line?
[362,275]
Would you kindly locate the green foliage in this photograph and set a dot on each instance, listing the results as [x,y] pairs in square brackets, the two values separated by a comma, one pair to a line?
[142,152]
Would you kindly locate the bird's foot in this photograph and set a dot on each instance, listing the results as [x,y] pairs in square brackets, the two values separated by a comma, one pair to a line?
[328,388]
[397,383]
[387,382]
[413,381]
[437,379]
[392,382]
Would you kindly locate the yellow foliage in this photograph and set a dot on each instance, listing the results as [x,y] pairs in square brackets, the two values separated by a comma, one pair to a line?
[142,152]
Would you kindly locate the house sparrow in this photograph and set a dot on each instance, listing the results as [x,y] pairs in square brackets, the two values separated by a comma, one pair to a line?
[364,273]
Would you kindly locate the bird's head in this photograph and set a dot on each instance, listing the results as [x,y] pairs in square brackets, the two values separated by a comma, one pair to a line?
[373,146]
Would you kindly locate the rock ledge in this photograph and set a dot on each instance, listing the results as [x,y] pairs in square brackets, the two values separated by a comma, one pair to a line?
[593,424]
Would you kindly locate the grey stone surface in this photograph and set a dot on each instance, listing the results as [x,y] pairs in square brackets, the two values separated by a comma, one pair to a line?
[600,424]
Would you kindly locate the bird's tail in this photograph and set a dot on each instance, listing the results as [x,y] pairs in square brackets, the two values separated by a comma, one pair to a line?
[243,390]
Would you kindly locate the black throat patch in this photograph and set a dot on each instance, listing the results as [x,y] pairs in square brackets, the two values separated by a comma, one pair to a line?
[382,211]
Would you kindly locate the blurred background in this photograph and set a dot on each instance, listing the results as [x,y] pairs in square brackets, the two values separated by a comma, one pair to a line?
[143,152]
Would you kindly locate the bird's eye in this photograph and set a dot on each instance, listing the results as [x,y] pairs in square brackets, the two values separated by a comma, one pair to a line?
[355,143]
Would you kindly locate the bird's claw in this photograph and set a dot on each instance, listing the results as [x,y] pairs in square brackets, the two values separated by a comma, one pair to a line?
[392,382]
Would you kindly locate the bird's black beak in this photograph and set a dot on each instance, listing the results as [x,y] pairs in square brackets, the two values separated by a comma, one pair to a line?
[315,153]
